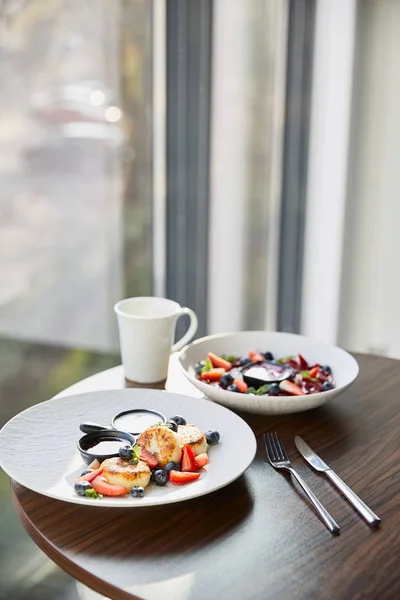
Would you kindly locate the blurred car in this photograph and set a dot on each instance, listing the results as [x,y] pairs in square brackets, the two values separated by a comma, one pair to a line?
[81,124]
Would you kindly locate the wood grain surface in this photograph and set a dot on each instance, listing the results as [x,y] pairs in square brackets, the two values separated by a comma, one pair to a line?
[258,538]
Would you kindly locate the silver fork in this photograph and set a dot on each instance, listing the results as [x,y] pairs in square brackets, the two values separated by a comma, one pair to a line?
[280,460]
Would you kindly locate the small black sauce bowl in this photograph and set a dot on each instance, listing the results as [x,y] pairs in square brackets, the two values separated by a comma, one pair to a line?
[258,382]
[90,439]
[158,417]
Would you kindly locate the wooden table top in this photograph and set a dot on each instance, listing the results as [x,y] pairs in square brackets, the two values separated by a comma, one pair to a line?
[258,538]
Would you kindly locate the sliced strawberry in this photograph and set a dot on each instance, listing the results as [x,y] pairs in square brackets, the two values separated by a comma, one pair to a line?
[201,460]
[256,356]
[242,385]
[314,371]
[188,460]
[302,362]
[90,476]
[213,374]
[290,388]
[217,361]
[180,478]
[150,459]
[107,489]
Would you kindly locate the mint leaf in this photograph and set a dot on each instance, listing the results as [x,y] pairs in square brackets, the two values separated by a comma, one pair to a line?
[91,493]
[251,390]
[264,389]
[135,455]
[229,357]
[306,375]
[286,358]
[207,366]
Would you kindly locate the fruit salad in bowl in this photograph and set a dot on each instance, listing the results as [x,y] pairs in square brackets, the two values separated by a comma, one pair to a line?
[174,453]
[267,372]
[259,373]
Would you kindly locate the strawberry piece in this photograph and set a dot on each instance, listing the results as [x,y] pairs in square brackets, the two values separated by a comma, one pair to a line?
[188,460]
[314,371]
[217,361]
[150,459]
[242,385]
[290,388]
[107,489]
[201,460]
[90,476]
[213,374]
[180,478]
[256,356]
[303,364]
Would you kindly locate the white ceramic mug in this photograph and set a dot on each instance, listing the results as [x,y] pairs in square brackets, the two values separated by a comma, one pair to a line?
[146,332]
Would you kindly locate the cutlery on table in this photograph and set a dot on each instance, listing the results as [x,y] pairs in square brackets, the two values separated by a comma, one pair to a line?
[319,465]
[280,460]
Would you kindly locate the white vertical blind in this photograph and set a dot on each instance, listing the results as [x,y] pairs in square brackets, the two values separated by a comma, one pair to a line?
[248,89]
[371,292]
[228,175]
[328,160]
[159,80]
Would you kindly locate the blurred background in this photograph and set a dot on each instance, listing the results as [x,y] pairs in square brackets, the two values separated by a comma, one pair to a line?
[242,158]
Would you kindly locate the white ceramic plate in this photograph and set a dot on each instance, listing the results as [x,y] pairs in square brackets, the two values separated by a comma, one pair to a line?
[344,367]
[38,446]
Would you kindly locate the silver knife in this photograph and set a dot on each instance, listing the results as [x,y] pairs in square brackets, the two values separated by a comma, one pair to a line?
[319,465]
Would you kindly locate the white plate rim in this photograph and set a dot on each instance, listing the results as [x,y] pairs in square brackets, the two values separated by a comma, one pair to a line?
[128,502]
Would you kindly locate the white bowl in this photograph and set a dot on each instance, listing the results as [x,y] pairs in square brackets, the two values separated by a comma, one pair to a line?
[343,365]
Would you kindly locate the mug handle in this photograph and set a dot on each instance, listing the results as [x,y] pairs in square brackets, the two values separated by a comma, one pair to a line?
[190,332]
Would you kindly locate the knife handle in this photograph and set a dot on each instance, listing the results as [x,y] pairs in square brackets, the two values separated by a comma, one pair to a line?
[371,518]
[323,513]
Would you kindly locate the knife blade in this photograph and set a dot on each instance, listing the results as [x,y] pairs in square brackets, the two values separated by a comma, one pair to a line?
[319,465]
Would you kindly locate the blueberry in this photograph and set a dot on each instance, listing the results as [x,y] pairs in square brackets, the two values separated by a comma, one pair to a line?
[178,420]
[326,369]
[126,452]
[198,367]
[225,380]
[268,355]
[172,425]
[212,437]
[172,466]
[274,390]
[327,385]
[137,491]
[86,472]
[245,361]
[81,487]
[232,388]
[160,477]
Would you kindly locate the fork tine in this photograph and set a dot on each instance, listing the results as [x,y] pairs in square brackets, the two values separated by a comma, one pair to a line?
[268,448]
[272,447]
[275,441]
[281,449]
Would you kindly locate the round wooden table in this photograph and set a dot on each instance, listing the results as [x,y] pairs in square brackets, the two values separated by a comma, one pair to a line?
[258,538]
